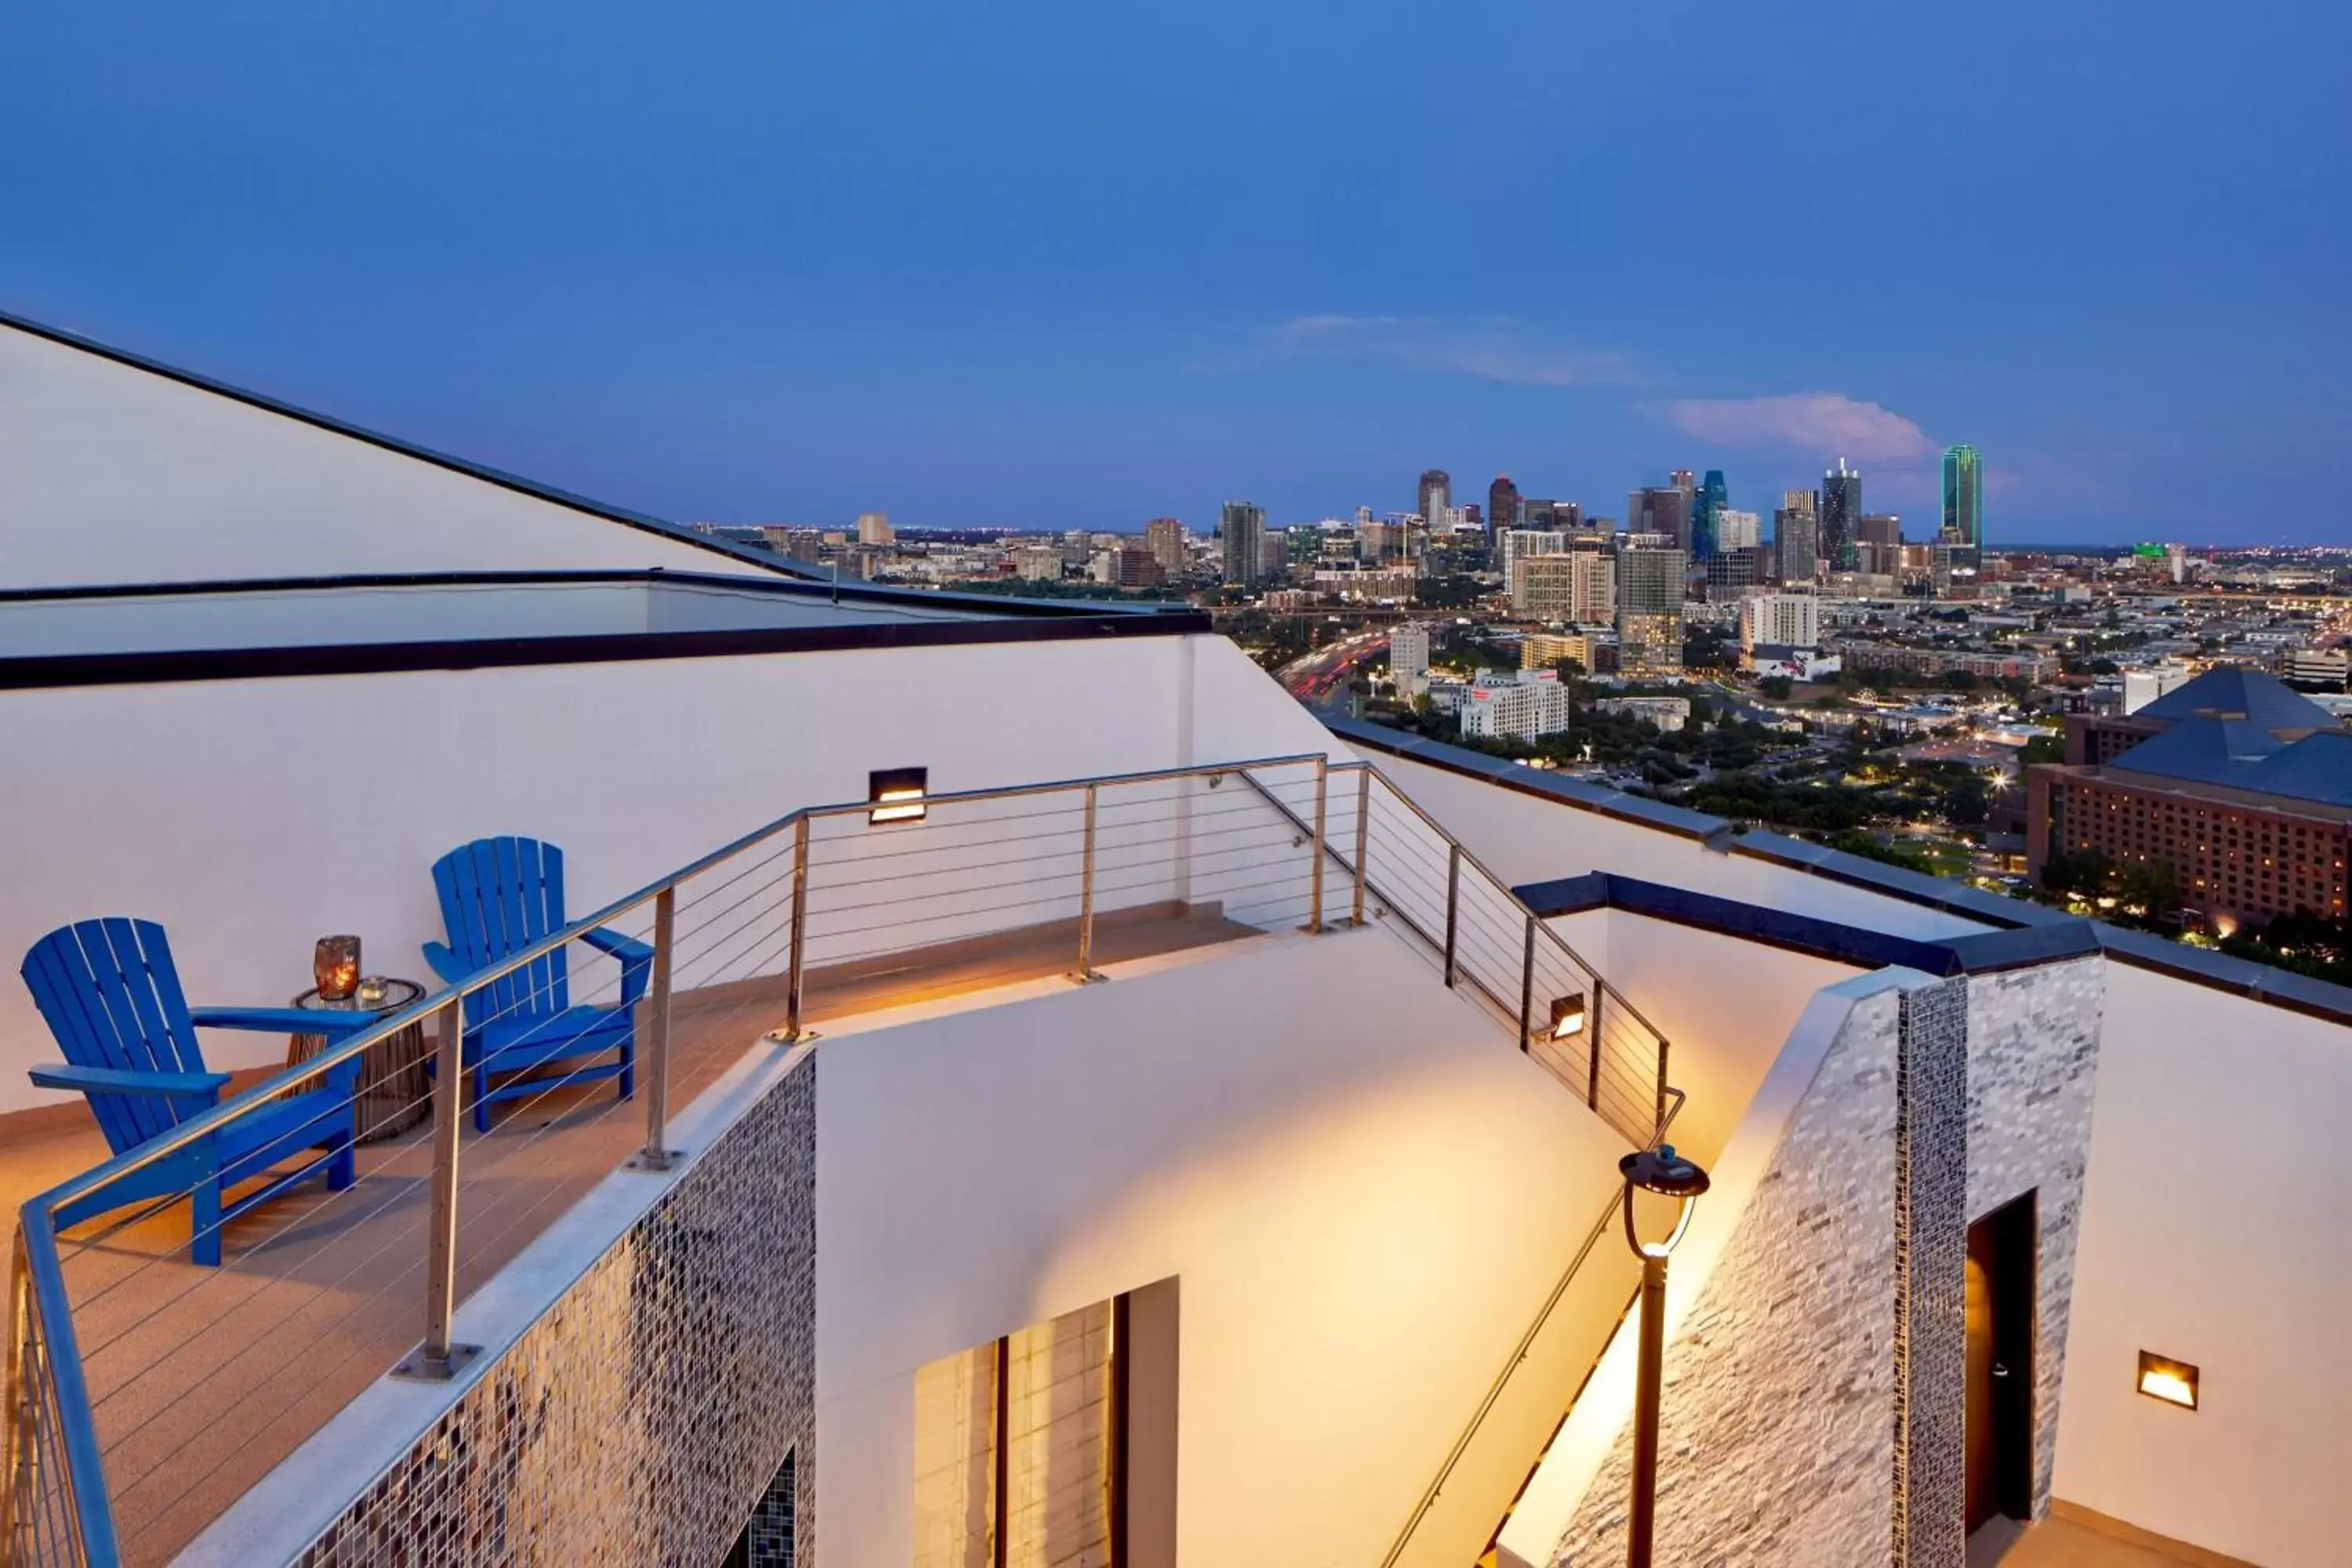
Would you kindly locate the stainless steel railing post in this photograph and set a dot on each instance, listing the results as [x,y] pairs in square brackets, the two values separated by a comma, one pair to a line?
[1086,971]
[18,1435]
[794,973]
[438,1358]
[1660,1124]
[1528,988]
[1315,895]
[656,1154]
[1592,1027]
[1453,899]
[1364,831]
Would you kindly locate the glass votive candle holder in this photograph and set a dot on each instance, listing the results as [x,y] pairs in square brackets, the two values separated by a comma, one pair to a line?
[335,965]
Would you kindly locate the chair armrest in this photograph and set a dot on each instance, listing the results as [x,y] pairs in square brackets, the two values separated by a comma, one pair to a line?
[627,949]
[122,1080]
[446,965]
[284,1020]
[637,960]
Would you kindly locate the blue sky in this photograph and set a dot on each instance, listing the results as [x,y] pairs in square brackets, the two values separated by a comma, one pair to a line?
[1082,263]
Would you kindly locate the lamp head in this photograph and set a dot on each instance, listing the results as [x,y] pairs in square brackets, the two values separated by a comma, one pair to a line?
[1669,1175]
[1662,1172]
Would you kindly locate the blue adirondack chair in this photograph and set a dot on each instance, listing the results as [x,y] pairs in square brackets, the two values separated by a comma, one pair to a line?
[499,896]
[112,998]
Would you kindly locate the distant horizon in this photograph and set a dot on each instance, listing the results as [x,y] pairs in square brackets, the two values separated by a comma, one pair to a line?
[1996,546]
[1066,263]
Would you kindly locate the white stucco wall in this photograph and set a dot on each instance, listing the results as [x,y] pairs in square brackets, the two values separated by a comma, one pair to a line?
[1360,1188]
[1526,839]
[2215,1222]
[110,474]
[1726,1007]
[250,817]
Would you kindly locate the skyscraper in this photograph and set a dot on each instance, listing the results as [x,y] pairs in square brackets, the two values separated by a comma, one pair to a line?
[1878,544]
[1502,506]
[1243,525]
[1737,530]
[1964,496]
[1164,537]
[1434,496]
[1408,658]
[874,528]
[1841,515]
[1797,538]
[1665,511]
[1706,516]
[1650,572]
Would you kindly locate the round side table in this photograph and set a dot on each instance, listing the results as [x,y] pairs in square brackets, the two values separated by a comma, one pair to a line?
[395,1091]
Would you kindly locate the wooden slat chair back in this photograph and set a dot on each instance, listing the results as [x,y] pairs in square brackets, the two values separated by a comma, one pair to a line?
[498,897]
[110,994]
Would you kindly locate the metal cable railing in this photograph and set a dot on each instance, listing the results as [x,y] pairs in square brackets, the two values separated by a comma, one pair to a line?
[1491,946]
[1488,943]
[142,1390]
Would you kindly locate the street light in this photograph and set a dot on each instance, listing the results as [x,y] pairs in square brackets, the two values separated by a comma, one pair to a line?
[1668,1175]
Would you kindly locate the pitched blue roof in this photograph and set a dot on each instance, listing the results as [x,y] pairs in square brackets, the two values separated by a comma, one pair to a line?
[2241,754]
[2234,691]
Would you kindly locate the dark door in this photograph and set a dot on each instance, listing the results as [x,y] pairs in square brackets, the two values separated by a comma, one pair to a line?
[2000,1443]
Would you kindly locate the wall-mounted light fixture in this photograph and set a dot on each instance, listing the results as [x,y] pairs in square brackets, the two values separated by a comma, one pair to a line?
[1567,1016]
[2173,1382]
[897,794]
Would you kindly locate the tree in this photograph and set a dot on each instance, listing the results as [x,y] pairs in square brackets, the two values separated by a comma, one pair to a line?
[2149,888]
[1775,687]
[2043,749]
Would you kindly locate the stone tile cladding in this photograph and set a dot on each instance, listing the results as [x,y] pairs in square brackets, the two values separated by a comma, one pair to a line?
[2033,1059]
[1931,1244]
[642,1419]
[1777,1443]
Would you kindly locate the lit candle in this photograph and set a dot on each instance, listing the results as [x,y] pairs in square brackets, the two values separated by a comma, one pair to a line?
[335,965]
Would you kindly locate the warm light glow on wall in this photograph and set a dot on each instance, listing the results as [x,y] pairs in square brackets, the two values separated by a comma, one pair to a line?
[907,786]
[899,813]
[2173,1382]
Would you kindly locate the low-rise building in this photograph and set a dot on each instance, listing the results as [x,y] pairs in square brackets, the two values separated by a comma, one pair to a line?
[1668,713]
[1523,705]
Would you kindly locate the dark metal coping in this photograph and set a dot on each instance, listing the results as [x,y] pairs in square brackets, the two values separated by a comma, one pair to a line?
[1001,620]
[2029,935]
[504,480]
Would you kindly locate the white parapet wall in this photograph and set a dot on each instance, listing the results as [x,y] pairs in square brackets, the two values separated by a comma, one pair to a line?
[110,473]
[251,816]
[2216,1229]
[1529,838]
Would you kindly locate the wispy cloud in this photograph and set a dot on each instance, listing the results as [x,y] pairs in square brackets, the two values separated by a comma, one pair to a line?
[1492,349]
[1821,423]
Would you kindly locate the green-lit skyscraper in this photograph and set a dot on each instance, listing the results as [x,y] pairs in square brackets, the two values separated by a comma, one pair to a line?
[1964,496]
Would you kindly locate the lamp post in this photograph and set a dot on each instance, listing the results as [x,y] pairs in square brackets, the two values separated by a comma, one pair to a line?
[1668,1175]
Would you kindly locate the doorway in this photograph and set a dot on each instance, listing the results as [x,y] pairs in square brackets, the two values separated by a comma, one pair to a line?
[2004,1248]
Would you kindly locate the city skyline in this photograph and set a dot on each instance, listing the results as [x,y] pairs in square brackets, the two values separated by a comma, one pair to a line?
[727,303]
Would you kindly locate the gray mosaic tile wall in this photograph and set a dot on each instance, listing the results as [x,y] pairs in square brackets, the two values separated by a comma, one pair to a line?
[644,1418]
[1777,1441]
[2033,1059]
[1931,1242]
